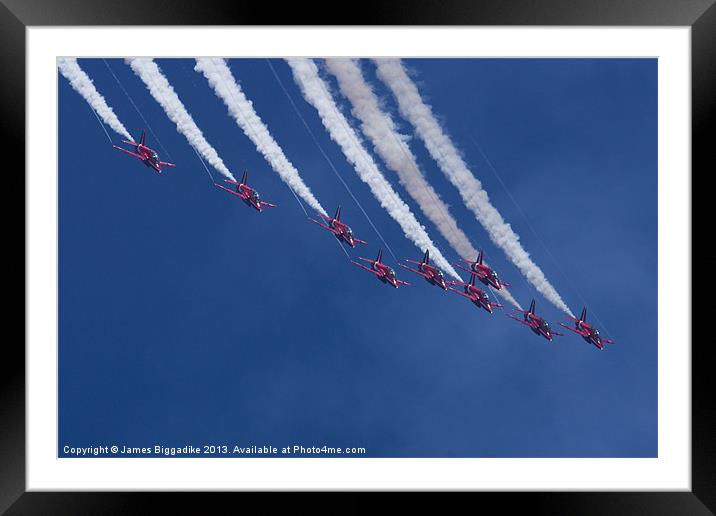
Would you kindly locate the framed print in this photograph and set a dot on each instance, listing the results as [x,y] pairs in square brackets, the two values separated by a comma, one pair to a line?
[439,250]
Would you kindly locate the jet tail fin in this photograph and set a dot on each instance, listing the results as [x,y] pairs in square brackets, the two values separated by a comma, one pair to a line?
[379,259]
[426,258]
[244,177]
[338,214]
[532,307]
[479,257]
[141,140]
[583,317]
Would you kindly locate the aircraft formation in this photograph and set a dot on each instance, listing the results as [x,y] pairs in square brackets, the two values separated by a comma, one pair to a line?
[386,274]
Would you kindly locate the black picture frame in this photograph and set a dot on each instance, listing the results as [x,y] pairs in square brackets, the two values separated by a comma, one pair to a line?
[700,15]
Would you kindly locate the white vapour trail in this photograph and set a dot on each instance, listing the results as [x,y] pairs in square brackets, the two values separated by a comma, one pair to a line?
[316,92]
[448,158]
[241,109]
[378,126]
[82,84]
[164,94]
[390,145]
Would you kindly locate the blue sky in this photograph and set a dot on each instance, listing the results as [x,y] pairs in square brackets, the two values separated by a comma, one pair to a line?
[188,318]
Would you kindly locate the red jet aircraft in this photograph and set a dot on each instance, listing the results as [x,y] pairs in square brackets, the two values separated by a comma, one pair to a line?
[382,271]
[484,273]
[432,274]
[246,193]
[339,229]
[536,323]
[588,332]
[474,294]
[148,156]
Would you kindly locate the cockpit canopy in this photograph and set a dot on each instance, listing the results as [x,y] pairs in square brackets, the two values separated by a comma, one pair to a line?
[438,273]
[391,272]
[348,231]
[155,156]
[255,195]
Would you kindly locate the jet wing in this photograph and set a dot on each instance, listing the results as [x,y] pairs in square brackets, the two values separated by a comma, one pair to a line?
[165,164]
[232,182]
[476,273]
[129,152]
[461,293]
[518,320]
[572,329]
[360,241]
[413,261]
[322,225]
[268,204]
[237,194]
[367,268]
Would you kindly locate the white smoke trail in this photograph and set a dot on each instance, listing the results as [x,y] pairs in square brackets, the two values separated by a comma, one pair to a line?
[448,158]
[378,126]
[82,84]
[315,91]
[164,94]
[241,109]
[390,145]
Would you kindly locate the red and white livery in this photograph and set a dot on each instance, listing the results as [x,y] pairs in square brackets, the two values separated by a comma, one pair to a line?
[339,229]
[148,156]
[383,272]
[588,332]
[247,194]
[432,274]
[483,272]
[478,296]
[536,323]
